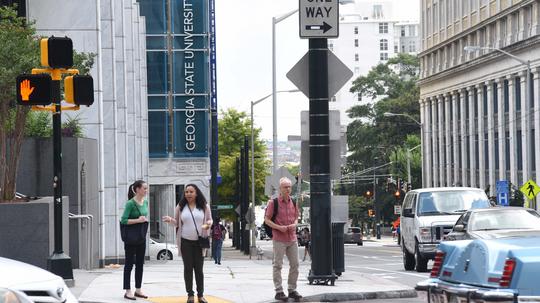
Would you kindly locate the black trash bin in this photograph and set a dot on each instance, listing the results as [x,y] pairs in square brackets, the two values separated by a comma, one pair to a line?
[338,247]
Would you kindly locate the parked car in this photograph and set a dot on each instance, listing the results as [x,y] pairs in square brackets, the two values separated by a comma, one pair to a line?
[428,215]
[495,222]
[37,284]
[162,251]
[502,269]
[353,235]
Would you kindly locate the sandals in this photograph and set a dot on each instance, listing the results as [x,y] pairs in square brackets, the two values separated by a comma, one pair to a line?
[140,296]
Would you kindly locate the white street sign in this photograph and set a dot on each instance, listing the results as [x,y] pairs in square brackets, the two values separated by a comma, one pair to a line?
[319,18]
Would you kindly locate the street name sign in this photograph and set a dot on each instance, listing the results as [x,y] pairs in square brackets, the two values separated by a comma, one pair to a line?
[530,189]
[319,18]
[227,206]
[338,74]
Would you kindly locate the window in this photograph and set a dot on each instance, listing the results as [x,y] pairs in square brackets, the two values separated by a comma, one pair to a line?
[412,47]
[356,70]
[396,48]
[384,56]
[383,28]
[355,42]
[412,30]
[331,46]
[383,44]
[356,57]
[359,96]
[356,30]
[402,31]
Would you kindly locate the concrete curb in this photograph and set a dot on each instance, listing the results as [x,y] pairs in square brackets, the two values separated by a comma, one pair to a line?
[357,296]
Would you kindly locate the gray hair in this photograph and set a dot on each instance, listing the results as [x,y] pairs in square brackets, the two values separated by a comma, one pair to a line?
[284,180]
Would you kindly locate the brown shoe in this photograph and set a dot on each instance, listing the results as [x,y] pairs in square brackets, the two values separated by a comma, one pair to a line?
[281,297]
[295,295]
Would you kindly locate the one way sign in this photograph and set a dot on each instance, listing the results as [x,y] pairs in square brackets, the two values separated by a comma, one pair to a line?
[319,18]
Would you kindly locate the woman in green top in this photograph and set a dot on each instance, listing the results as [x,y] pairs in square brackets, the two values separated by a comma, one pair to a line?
[135,212]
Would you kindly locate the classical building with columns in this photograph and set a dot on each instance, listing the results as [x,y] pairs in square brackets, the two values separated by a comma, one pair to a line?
[479,124]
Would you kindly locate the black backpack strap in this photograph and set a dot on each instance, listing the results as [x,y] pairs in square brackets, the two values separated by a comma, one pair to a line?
[276,202]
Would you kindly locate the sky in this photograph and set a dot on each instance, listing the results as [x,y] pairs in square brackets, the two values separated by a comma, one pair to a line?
[244,58]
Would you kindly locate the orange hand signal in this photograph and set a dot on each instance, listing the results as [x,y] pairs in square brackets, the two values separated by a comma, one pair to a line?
[26,90]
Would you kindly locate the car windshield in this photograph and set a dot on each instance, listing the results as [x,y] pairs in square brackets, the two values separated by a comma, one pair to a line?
[504,219]
[451,202]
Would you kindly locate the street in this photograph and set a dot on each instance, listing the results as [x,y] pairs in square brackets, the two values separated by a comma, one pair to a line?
[379,258]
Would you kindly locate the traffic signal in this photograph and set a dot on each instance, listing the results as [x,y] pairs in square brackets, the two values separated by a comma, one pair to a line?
[397,194]
[34,89]
[369,194]
[371,213]
[56,52]
[79,90]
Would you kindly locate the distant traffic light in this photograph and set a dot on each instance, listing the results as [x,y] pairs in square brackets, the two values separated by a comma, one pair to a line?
[34,89]
[397,194]
[371,213]
[56,52]
[369,194]
[79,90]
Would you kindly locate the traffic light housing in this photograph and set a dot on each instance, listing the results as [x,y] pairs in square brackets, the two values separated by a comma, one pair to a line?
[79,90]
[34,89]
[369,194]
[371,213]
[397,195]
[56,52]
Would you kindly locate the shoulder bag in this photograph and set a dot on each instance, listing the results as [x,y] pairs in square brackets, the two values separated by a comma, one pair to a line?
[134,234]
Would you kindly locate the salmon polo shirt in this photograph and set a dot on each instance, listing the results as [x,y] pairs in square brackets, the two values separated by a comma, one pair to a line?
[287,215]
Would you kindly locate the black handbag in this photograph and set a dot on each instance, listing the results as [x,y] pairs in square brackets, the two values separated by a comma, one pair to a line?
[134,234]
[204,242]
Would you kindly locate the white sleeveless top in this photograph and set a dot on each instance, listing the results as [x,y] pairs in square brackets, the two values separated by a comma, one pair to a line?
[188,227]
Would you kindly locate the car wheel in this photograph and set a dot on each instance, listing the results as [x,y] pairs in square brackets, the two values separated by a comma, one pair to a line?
[408,258]
[421,262]
[164,255]
[360,243]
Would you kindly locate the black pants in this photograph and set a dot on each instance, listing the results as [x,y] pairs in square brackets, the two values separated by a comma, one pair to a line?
[193,261]
[134,255]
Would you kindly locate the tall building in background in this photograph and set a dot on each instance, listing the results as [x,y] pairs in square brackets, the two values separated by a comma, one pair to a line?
[478,126]
[368,37]
[178,56]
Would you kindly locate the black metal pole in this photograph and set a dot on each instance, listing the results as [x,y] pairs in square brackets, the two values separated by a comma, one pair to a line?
[214,119]
[58,263]
[236,225]
[319,150]
[245,197]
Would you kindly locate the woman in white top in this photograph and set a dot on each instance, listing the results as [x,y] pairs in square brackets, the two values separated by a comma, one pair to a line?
[192,222]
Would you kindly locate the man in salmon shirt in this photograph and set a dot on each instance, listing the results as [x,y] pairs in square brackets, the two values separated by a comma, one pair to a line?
[284,239]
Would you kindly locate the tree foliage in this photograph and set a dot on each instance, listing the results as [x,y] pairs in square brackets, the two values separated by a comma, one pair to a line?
[233,127]
[375,139]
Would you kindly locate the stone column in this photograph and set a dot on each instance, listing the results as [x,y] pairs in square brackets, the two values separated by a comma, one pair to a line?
[464,155]
[481,131]
[501,123]
[422,140]
[440,127]
[535,26]
[434,138]
[521,24]
[426,125]
[525,126]
[448,139]
[455,137]
[491,145]
[472,132]
[512,126]
[536,85]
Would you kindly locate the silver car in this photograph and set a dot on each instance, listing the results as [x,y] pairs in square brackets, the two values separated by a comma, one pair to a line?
[353,235]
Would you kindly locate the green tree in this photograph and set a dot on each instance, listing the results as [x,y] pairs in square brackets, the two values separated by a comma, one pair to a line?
[399,158]
[233,127]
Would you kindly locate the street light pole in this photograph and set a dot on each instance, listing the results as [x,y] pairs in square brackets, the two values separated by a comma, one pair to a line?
[275,20]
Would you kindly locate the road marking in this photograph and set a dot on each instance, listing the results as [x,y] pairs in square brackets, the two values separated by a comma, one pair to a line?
[391,271]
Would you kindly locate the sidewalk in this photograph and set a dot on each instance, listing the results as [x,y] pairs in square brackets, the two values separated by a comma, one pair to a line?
[238,279]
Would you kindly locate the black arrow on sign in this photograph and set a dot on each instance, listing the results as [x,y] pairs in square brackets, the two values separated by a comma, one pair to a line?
[325,27]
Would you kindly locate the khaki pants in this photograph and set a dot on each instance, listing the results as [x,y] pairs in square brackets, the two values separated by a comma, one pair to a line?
[291,250]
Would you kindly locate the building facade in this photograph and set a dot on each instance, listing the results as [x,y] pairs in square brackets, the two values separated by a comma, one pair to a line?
[114,31]
[479,123]
[368,36]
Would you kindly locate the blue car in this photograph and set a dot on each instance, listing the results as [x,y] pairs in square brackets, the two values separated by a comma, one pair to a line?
[501,269]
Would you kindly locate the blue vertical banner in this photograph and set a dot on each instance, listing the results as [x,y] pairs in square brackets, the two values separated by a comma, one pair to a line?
[190,79]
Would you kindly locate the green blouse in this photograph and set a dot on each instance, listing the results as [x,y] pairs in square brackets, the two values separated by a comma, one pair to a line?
[134,210]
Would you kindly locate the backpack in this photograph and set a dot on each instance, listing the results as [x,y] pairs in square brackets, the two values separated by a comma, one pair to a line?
[266,227]
[216,232]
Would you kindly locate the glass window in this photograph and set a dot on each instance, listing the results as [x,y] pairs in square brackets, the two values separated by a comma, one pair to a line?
[157,72]
[157,102]
[517,92]
[155,12]
[356,57]
[396,48]
[357,70]
[356,30]
[383,28]
[156,42]
[495,98]
[504,219]
[402,32]
[191,133]
[384,56]
[451,202]
[158,133]
[383,44]
[192,18]
[355,42]
[377,12]
[412,47]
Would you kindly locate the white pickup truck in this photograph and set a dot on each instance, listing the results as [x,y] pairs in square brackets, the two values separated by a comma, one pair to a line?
[428,215]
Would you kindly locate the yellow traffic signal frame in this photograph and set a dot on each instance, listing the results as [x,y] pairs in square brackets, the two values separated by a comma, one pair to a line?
[56,74]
